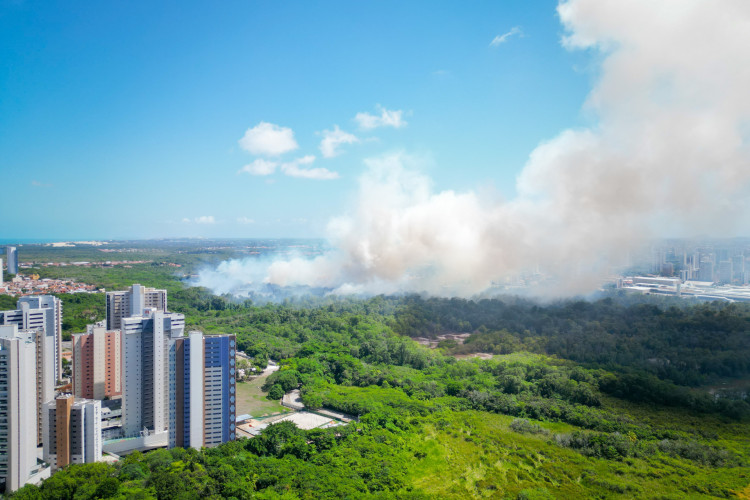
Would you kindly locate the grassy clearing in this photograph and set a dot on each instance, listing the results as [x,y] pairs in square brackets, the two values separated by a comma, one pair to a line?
[476,455]
[251,399]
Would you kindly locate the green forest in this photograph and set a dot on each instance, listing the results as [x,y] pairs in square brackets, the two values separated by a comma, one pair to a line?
[605,398]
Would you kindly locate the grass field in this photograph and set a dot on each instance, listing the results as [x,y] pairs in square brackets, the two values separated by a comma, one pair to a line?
[251,399]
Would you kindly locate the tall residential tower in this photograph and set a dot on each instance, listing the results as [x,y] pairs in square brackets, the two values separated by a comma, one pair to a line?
[97,363]
[133,302]
[12,255]
[202,385]
[146,343]
[18,409]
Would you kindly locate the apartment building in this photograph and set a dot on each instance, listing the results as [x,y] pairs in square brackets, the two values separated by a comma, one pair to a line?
[18,409]
[132,302]
[72,431]
[202,391]
[146,344]
[97,363]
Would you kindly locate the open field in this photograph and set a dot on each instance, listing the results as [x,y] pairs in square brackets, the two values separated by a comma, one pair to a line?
[251,399]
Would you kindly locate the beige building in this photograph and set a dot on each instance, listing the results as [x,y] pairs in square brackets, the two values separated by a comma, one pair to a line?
[97,363]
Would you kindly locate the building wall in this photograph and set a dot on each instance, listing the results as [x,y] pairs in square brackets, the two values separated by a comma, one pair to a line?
[72,430]
[18,434]
[147,344]
[12,255]
[52,324]
[97,363]
[204,391]
[131,303]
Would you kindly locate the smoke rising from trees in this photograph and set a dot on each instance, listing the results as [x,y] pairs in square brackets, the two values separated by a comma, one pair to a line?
[669,154]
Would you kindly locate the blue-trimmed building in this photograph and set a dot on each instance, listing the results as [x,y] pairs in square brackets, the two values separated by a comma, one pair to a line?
[202,390]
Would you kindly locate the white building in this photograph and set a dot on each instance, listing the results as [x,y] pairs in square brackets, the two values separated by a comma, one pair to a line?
[72,431]
[12,254]
[133,302]
[42,323]
[146,342]
[53,322]
[18,409]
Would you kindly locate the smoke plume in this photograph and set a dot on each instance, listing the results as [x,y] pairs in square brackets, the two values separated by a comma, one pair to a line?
[668,155]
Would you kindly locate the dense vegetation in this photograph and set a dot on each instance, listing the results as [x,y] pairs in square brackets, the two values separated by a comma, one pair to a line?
[573,404]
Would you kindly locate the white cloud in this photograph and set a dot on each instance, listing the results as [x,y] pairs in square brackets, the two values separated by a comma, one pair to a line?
[205,219]
[268,139]
[387,118]
[185,220]
[500,39]
[259,167]
[332,139]
[293,169]
[245,220]
[36,183]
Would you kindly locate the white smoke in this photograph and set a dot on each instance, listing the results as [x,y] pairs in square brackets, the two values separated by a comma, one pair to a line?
[669,154]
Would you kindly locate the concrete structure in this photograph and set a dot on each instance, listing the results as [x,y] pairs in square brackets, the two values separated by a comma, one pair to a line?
[706,271]
[133,302]
[18,410]
[97,363]
[42,322]
[53,325]
[725,273]
[12,255]
[202,391]
[72,431]
[146,344]
[738,267]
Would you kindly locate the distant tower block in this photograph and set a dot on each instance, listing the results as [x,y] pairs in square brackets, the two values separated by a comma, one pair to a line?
[12,254]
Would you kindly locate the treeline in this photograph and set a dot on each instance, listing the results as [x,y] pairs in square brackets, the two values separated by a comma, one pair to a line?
[688,344]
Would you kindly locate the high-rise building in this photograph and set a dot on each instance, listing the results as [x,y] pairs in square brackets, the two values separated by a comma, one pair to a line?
[146,343]
[97,363]
[738,267]
[53,325]
[132,302]
[725,273]
[202,391]
[72,431]
[1,272]
[18,410]
[42,322]
[12,255]
[706,271]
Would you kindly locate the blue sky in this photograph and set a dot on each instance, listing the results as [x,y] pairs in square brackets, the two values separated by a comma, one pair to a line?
[122,119]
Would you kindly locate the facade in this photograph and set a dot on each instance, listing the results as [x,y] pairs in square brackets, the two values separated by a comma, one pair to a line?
[202,391]
[97,363]
[706,271]
[146,344]
[53,325]
[133,302]
[1,272]
[72,431]
[12,255]
[42,322]
[18,410]
[725,272]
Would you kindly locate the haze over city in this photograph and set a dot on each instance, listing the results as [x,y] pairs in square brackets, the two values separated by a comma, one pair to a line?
[434,151]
